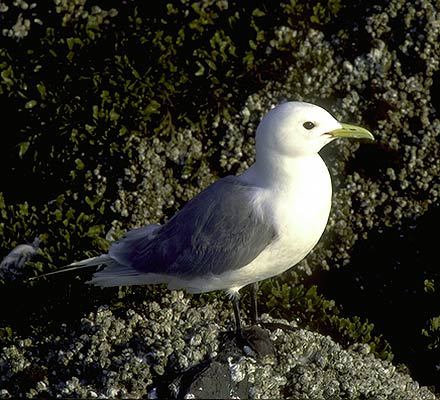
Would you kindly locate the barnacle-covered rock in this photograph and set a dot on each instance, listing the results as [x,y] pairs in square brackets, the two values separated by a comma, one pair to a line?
[168,348]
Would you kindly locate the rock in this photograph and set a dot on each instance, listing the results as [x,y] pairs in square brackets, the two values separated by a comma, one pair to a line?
[149,351]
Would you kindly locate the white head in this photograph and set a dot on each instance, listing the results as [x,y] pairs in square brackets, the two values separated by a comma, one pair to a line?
[297,128]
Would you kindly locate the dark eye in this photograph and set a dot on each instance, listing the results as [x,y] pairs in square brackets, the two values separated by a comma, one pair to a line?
[308,125]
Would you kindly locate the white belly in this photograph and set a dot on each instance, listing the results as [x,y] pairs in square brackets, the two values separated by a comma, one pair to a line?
[300,213]
[301,220]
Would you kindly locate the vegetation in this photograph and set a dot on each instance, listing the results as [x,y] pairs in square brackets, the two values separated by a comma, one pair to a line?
[117,114]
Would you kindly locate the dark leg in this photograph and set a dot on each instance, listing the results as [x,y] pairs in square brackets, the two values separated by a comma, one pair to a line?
[254,303]
[255,337]
[238,327]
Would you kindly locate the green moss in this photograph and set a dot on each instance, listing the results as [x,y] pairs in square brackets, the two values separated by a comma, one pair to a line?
[319,13]
[316,312]
[432,333]
[63,230]
[6,333]
[323,14]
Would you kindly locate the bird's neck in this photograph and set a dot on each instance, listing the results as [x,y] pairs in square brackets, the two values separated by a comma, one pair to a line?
[284,173]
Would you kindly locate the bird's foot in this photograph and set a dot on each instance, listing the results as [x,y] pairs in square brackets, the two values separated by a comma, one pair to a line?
[258,339]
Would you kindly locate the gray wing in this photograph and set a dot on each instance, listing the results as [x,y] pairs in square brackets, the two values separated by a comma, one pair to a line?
[218,230]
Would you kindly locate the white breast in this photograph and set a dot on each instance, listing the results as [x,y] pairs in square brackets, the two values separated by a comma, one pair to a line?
[300,215]
[299,208]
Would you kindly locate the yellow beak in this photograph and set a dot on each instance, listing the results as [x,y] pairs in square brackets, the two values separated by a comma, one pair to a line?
[352,131]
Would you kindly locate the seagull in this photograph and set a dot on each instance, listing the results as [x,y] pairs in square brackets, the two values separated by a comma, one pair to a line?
[241,229]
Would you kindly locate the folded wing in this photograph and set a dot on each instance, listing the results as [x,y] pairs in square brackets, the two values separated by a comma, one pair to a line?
[220,229]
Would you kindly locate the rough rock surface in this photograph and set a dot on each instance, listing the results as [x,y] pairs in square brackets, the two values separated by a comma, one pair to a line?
[171,348]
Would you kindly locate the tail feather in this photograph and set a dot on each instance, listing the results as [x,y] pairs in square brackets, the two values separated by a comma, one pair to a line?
[113,274]
[79,265]
[121,275]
